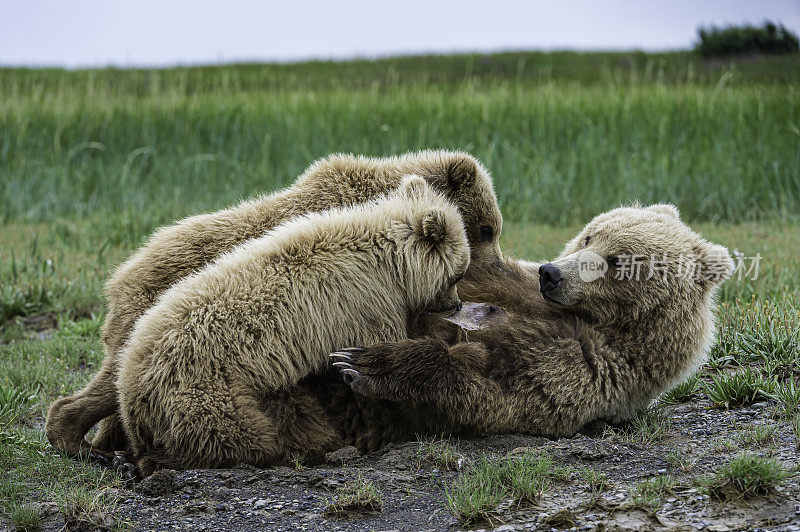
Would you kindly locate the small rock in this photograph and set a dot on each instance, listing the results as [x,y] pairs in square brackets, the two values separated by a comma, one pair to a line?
[521,451]
[158,484]
[260,503]
[343,455]
[328,483]
[561,519]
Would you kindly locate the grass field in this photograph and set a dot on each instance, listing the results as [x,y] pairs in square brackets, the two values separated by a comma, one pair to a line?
[92,161]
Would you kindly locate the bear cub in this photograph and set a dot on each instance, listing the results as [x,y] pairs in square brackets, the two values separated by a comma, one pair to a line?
[199,368]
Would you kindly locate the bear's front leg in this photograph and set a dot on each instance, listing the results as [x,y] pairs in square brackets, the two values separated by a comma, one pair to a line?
[395,371]
[425,371]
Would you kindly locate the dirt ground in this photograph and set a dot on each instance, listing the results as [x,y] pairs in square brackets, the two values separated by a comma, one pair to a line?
[698,441]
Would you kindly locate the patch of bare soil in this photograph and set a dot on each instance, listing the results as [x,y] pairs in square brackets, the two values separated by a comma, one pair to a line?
[699,441]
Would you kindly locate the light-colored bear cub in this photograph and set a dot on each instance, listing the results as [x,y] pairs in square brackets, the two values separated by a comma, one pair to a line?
[177,250]
[202,362]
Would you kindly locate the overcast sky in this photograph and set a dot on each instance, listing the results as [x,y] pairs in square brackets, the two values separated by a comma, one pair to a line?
[77,33]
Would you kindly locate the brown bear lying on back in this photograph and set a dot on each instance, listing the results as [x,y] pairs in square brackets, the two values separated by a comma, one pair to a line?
[577,347]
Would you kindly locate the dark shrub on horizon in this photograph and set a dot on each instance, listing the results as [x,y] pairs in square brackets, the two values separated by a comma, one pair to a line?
[733,40]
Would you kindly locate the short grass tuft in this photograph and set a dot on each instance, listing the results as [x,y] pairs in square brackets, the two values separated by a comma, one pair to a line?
[646,427]
[650,494]
[757,436]
[530,474]
[25,517]
[596,483]
[725,445]
[746,476]
[357,496]
[742,388]
[787,394]
[475,495]
[84,508]
[441,452]
[681,393]
[12,401]
[678,459]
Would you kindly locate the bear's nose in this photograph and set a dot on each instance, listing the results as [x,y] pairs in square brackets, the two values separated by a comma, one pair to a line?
[549,277]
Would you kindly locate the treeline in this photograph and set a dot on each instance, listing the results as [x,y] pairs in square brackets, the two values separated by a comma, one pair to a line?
[735,40]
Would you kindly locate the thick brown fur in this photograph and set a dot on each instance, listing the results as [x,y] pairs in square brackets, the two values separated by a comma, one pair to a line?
[550,369]
[176,251]
[599,350]
[200,366]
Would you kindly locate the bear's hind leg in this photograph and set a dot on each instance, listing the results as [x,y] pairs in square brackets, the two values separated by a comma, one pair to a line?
[70,418]
[307,432]
[262,432]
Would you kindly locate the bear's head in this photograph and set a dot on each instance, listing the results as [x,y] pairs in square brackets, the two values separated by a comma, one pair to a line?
[468,184]
[635,264]
[432,244]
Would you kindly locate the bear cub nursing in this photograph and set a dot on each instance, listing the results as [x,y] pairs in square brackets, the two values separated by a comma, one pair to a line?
[178,250]
[201,364]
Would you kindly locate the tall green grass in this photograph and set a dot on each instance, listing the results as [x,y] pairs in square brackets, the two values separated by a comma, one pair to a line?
[619,68]
[138,148]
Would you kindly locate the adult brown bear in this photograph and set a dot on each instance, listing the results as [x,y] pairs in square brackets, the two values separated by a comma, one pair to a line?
[580,344]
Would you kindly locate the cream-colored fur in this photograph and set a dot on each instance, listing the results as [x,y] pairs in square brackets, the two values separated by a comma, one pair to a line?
[573,350]
[201,362]
[663,268]
[176,251]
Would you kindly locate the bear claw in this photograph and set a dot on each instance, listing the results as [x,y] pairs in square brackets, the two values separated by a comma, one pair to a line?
[349,375]
[339,354]
[95,456]
[124,468]
[352,349]
[98,458]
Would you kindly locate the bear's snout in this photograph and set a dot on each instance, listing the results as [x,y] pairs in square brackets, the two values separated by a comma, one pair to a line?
[549,277]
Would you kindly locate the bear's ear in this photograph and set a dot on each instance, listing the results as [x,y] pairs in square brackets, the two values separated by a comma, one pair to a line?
[717,264]
[461,173]
[434,226]
[665,208]
[413,187]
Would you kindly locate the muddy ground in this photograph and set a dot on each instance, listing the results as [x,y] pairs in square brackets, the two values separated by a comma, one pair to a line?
[698,441]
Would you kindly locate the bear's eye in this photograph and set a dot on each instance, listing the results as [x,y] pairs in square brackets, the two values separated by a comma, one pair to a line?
[612,261]
[586,240]
[487,233]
